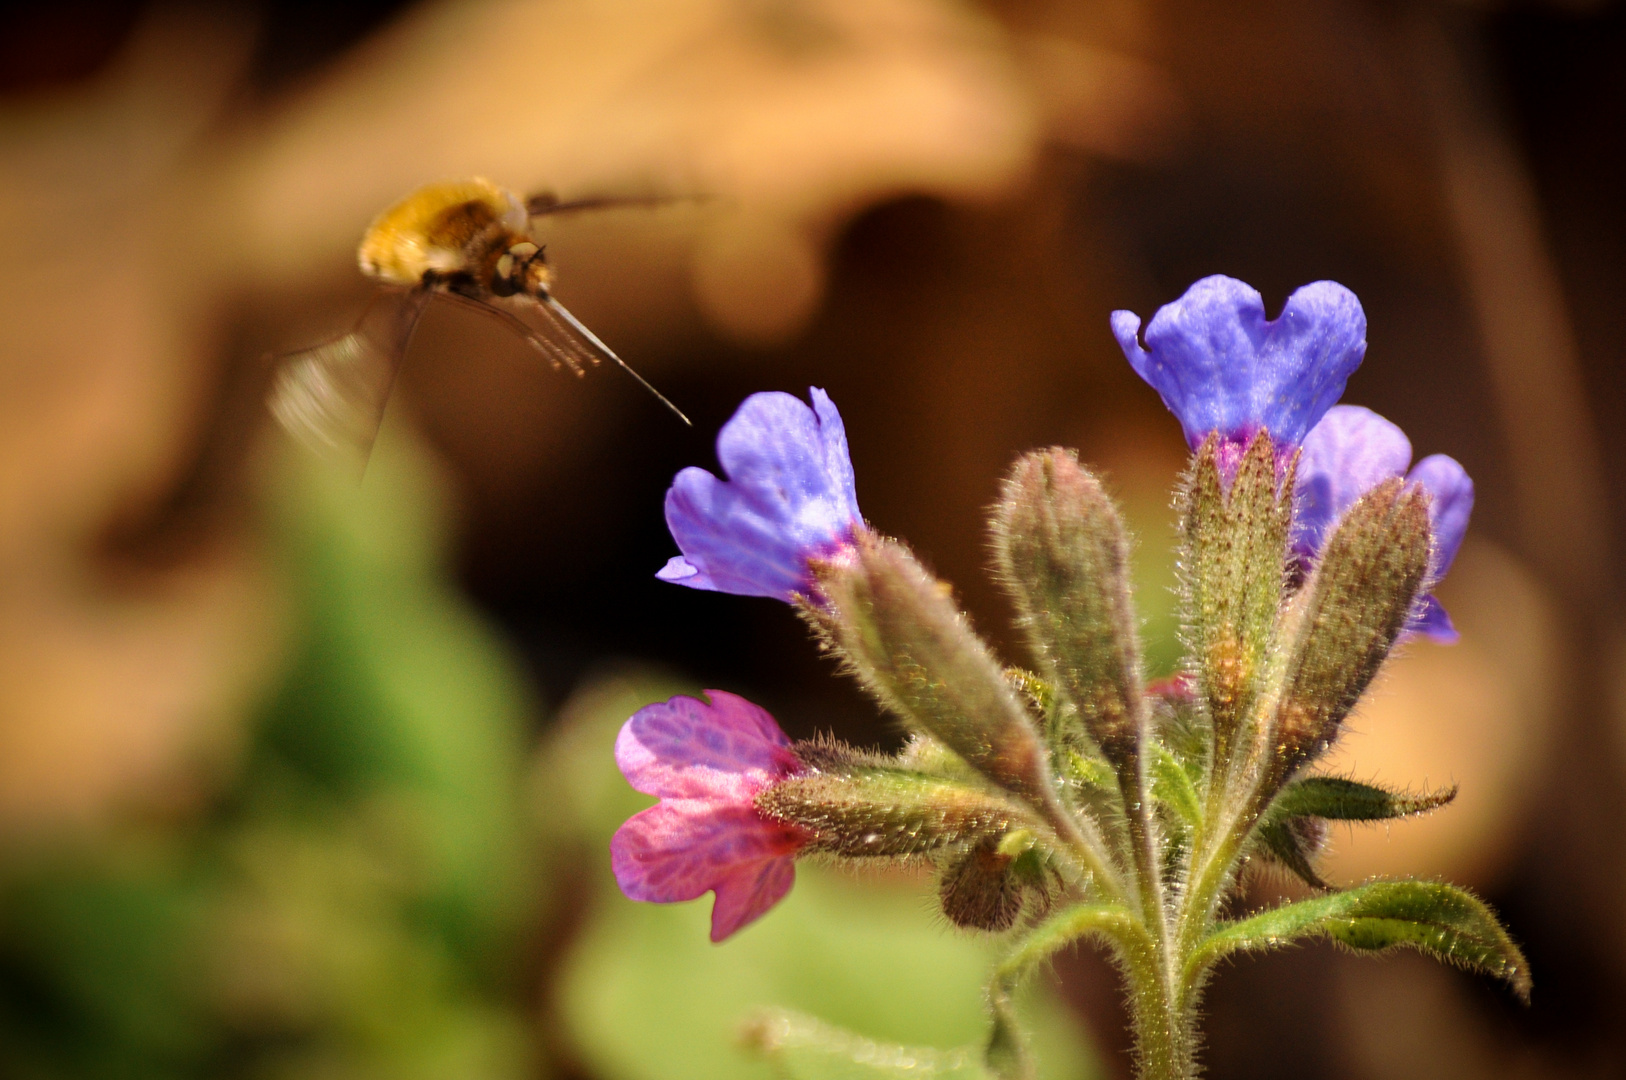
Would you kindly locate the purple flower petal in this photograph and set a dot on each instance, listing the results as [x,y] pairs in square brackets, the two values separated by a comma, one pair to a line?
[789,497]
[1451,494]
[707,761]
[1350,452]
[1219,365]
[1433,621]
[685,748]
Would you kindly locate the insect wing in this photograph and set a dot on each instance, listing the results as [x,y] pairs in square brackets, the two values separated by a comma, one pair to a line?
[332,397]
[547,204]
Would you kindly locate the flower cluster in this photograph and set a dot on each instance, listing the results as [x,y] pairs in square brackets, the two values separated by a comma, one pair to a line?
[1228,373]
[1309,546]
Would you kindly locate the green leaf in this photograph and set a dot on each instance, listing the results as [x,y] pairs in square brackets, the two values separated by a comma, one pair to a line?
[1338,799]
[1090,772]
[1007,1053]
[1444,921]
[1172,786]
[1283,843]
[802,1048]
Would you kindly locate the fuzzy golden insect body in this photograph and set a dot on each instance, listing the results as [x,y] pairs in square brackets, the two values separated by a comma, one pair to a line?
[468,240]
[446,229]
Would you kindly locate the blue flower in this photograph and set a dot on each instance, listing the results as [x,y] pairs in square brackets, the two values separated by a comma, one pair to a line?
[1350,452]
[1221,367]
[789,497]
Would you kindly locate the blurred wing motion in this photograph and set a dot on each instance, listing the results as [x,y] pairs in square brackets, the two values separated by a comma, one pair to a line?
[332,397]
[547,204]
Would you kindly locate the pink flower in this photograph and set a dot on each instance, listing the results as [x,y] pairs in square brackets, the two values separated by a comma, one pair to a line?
[707,762]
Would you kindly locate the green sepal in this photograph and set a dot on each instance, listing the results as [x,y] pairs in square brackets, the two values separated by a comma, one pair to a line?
[858,809]
[1090,773]
[901,633]
[1040,693]
[1172,785]
[799,1047]
[1233,563]
[1339,799]
[1351,611]
[924,754]
[1443,921]
[1063,557]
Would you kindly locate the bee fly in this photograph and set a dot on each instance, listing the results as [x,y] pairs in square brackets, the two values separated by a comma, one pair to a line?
[469,241]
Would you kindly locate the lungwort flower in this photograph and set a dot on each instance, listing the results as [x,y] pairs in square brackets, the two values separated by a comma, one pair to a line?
[789,498]
[1220,366]
[707,761]
[1353,450]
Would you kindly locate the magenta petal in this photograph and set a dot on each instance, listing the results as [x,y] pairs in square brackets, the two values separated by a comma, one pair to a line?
[726,749]
[746,894]
[682,848]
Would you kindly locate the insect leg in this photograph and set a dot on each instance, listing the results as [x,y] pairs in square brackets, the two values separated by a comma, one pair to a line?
[555,355]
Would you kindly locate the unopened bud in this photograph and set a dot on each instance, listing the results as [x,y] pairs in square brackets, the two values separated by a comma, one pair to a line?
[1233,564]
[1356,603]
[899,629]
[1063,556]
[860,809]
[979,892]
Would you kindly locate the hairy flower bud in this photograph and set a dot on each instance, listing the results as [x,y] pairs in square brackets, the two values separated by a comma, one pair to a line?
[980,891]
[899,629]
[877,811]
[1233,564]
[1363,591]
[1063,557]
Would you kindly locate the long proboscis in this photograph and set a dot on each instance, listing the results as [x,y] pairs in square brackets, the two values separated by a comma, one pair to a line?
[609,354]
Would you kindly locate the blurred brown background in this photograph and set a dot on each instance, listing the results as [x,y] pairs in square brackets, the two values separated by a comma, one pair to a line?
[928,208]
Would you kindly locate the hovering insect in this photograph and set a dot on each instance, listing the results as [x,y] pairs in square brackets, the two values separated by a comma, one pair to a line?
[469,241]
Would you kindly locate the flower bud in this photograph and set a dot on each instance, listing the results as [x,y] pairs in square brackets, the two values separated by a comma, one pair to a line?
[1233,566]
[1063,557]
[876,811]
[980,891]
[1363,591]
[899,629]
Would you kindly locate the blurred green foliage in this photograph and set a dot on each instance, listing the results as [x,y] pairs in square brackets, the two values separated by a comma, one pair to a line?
[348,903]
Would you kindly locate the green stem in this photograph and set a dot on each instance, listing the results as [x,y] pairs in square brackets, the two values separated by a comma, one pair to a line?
[1007,1054]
